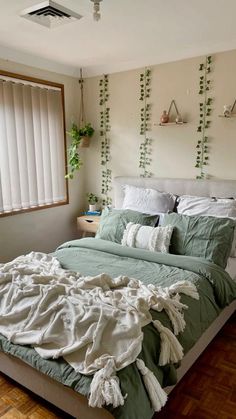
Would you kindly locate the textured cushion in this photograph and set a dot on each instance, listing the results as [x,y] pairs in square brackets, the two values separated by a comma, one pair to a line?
[149,201]
[113,223]
[155,239]
[217,207]
[207,237]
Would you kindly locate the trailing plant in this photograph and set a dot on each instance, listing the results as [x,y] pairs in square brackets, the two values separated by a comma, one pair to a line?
[145,117]
[92,198]
[74,160]
[205,111]
[105,140]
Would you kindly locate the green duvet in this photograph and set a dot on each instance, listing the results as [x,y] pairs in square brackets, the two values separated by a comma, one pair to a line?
[93,256]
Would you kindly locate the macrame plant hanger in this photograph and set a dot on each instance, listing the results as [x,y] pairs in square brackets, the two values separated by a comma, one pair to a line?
[84,140]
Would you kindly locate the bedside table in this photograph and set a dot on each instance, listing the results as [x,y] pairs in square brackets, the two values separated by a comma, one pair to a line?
[88,224]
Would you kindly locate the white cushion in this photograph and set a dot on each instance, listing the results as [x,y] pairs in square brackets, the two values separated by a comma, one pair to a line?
[231,268]
[233,248]
[148,201]
[197,205]
[155,239]
[215,207]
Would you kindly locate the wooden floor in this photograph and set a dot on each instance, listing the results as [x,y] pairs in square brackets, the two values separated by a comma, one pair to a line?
[208,390]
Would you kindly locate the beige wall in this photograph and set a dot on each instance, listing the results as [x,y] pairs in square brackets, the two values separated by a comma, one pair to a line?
[174,147]
[43,230]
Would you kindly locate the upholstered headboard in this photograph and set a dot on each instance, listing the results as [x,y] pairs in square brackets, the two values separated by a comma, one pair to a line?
[219,188]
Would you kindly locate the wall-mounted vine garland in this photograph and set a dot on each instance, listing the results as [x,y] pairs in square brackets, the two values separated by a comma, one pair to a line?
[204,114]
[105,140]
[145,150]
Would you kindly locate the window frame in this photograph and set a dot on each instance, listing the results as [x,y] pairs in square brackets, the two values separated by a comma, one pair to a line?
[61,87]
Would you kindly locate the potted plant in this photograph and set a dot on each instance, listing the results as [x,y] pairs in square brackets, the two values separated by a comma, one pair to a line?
[86,133]
[79,137]
[92,200]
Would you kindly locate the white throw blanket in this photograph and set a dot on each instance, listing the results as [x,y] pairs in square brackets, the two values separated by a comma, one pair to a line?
[94,323]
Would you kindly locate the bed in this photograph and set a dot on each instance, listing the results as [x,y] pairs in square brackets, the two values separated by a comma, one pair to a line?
[113,259]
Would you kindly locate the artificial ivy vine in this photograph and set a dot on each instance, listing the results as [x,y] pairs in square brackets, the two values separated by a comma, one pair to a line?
[204,114]
[145,116]
[105,140]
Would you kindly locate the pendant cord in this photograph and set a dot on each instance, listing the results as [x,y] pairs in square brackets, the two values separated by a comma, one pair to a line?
[82,112]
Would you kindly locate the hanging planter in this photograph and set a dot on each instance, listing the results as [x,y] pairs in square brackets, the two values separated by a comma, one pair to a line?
[80,136]
[85,142]
[85,133]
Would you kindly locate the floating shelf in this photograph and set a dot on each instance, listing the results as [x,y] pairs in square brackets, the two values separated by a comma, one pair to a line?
[228,117]
[172,123]
[178,115]
[162,124]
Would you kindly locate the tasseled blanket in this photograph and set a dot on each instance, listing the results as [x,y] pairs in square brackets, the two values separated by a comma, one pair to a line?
[95,323]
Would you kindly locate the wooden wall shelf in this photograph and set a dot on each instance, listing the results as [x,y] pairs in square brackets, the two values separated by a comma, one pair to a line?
[173,120]
[228,117]
[162,124]
[172,123]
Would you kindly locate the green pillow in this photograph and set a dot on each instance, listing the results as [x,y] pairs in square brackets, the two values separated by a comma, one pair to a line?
[113,223]
[207,237]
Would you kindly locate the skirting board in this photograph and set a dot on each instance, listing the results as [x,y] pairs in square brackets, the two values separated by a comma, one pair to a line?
[76,404]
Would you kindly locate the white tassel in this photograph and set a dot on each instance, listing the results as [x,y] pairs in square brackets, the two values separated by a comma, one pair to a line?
[105,387]
[173,308]
[184,287]
[156,394]
[171,350]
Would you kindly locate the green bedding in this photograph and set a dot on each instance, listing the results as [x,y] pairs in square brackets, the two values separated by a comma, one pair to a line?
[92,256]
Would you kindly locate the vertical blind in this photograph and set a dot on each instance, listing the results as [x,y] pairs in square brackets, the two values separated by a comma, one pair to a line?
[32,154]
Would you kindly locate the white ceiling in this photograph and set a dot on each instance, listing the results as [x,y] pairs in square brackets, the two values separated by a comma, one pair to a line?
[130,34]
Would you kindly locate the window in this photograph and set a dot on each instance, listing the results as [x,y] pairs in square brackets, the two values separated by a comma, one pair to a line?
[32,144]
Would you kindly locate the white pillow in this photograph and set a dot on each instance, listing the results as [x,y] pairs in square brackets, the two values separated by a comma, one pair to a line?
[215,207]
[148,201]
[233,248]
[231,268]
[197,205]
[155,239]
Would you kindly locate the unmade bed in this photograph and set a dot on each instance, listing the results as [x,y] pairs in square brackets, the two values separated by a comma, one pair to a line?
[204,316]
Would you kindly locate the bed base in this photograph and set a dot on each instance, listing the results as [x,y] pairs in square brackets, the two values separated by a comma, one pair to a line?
[76,404]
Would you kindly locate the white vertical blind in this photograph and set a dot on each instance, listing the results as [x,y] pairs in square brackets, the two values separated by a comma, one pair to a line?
[32,155]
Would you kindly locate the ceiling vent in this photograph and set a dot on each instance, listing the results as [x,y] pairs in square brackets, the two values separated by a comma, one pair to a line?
[50,14]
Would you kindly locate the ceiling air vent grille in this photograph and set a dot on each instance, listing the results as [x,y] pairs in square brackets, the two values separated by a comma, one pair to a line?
[50,14]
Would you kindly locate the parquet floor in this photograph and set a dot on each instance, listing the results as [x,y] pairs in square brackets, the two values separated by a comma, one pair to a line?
[208,390]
